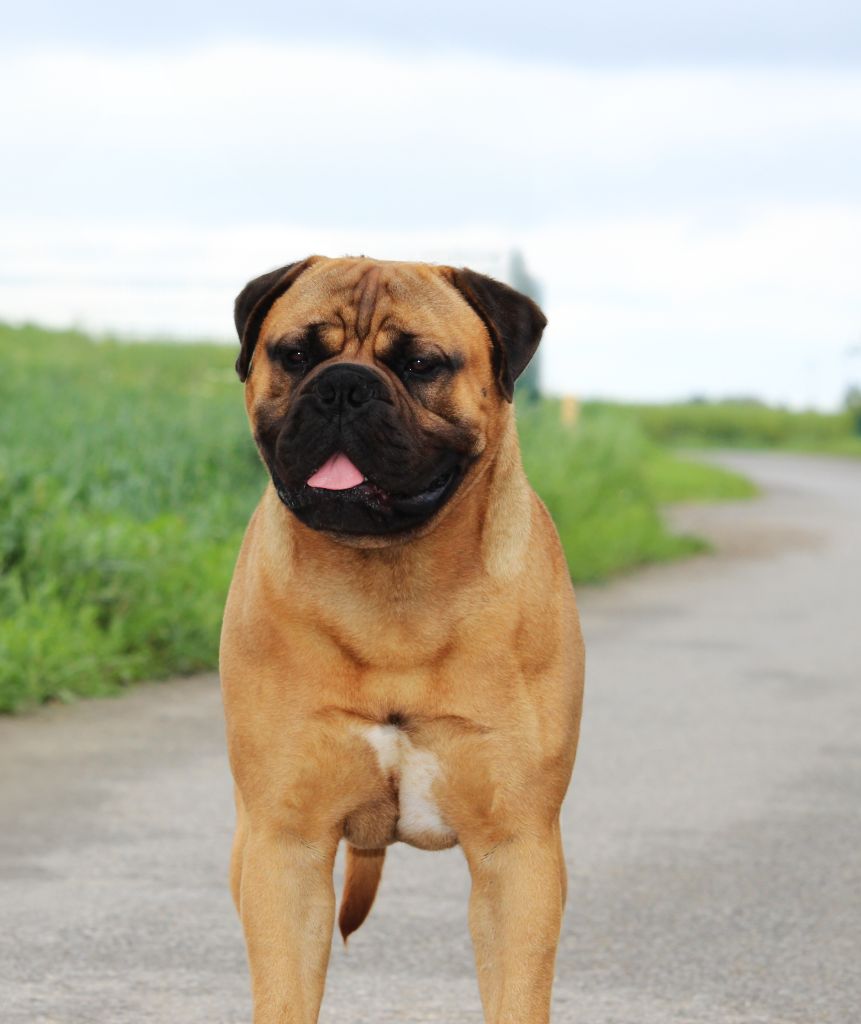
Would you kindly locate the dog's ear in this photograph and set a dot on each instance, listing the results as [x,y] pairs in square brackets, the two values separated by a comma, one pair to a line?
[254,302]
[513,321]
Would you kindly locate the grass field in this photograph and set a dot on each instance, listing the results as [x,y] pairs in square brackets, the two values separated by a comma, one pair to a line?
[746,425]
[672,478]
[127,475]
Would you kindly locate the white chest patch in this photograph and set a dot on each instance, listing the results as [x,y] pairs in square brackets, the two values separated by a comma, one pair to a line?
[415,771]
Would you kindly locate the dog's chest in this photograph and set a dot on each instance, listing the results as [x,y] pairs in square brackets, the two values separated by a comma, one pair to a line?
[413,772]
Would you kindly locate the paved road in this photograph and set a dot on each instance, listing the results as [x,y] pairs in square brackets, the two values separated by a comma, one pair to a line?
[713,830]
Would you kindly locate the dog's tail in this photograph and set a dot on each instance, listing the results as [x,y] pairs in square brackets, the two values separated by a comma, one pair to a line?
[361,879]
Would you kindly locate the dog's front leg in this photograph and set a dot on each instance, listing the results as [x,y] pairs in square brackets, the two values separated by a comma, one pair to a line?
[515,915]
[287,907]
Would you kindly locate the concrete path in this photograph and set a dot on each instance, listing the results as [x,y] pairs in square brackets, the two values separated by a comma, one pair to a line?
[713,829]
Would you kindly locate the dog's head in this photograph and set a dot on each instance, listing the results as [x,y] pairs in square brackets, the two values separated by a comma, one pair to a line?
[375,389]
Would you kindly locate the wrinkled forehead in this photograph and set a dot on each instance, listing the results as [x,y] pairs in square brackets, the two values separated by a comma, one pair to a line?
[366,298]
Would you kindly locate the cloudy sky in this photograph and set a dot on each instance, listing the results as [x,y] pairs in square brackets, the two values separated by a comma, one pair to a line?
[684,179]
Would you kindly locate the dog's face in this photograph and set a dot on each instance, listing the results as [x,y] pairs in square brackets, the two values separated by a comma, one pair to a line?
[375,389]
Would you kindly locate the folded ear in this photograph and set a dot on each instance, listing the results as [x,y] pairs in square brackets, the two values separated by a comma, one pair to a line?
[513,321]
[254,302]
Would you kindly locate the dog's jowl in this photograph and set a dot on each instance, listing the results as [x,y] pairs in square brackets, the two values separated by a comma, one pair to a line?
[401,657]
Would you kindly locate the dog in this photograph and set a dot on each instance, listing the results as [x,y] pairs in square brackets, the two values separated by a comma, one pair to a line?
[401,655]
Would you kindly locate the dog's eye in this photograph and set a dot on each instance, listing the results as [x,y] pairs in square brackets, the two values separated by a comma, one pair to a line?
[420,367]
[293,356]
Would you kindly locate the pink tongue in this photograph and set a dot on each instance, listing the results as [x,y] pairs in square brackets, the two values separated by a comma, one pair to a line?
[336,474]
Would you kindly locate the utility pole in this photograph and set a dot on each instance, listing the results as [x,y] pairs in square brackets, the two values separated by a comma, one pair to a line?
[852,399]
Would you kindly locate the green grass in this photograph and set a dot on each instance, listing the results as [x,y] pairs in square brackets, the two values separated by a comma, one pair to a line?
[595,482]
[674,479]
[747,425]
[127,475]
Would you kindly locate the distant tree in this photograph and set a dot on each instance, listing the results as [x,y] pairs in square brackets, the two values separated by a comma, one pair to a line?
[529,384]
[852,404]
[751,401]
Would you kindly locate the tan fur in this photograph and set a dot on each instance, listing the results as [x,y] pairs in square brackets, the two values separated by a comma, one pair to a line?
[467,631]
[361,878]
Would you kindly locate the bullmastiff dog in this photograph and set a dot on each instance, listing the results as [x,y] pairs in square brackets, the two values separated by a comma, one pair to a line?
[401,656]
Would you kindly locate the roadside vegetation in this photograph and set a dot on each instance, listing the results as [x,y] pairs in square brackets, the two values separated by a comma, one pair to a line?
[127,475]
[604,482]
[740,424]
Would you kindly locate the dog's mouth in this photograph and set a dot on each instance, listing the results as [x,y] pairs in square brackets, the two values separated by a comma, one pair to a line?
[337,497]
[338,474]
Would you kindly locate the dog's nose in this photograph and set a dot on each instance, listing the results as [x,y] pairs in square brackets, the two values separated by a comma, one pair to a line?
[347,384]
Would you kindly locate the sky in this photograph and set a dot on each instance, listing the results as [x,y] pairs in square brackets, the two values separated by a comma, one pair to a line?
[683,179]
